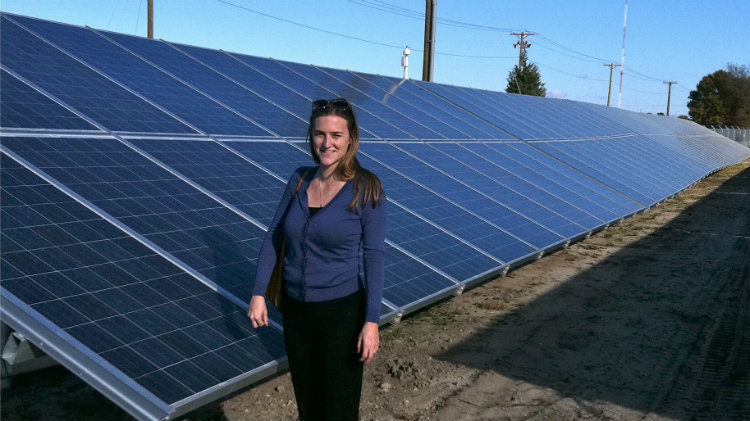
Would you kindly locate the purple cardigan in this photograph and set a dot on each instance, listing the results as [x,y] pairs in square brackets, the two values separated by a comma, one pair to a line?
[322,259]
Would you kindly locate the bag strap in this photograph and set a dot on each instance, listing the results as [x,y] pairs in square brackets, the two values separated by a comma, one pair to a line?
[299,184]
[301,179]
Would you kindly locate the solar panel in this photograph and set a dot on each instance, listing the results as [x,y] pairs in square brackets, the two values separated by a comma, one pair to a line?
[581,154]
[145,333]
[513,127]
[63,77]
[452,256]
[371,105]
[410,284]
[25,107]
[561,119]
[615,201]
[496,190]
[245,103]
[553,119]
[139,178]
[220,171]
[412,97]
[657,158]
[371,125]
[546,198]
[373,94]
[470,228]
[465,197]
[185,222]
[255,82]
[146,80]
[542,177]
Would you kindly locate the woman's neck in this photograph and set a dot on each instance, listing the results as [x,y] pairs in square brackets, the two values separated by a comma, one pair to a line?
[326,173]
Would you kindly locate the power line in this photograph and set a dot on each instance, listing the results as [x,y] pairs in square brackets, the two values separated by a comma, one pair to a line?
[326,31]
[577,76]
[567,54]
[308,26]
[401,11]
[570,52]
[557,44]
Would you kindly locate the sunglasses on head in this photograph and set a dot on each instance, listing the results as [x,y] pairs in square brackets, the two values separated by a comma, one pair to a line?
[338,103]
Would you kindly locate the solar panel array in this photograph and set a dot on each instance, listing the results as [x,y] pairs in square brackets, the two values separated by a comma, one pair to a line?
[139,178]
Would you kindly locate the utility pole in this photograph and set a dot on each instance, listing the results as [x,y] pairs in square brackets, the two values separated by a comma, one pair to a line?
[669,95]
[522,44]
[609,91]
[150,19]
[622,58]
[429,40]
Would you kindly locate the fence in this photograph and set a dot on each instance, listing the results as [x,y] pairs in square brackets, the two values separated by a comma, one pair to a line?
[741,136]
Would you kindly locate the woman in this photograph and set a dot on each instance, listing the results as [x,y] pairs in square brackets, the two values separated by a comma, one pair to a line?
[331,315]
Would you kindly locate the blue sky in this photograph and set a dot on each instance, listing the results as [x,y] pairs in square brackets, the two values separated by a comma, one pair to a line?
[666,40]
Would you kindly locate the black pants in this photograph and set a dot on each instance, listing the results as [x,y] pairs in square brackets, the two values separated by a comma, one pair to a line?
[321,344]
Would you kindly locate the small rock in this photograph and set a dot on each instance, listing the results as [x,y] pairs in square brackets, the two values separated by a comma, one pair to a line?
[385,386]
[279,388]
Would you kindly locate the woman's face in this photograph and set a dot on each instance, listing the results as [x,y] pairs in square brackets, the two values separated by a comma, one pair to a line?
[331,139]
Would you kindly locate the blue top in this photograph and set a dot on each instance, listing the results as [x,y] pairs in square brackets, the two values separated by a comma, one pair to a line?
[322,252]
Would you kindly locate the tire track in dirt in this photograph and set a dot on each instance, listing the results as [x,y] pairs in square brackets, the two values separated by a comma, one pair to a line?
[714,381]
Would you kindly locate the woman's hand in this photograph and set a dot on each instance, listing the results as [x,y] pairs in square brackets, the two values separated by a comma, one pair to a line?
[368,342]
[257,311]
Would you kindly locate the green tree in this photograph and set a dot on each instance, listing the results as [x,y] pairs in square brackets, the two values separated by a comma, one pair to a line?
[525,79]
[722,98]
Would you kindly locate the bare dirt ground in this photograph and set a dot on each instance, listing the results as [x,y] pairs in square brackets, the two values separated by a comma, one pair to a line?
[647,319]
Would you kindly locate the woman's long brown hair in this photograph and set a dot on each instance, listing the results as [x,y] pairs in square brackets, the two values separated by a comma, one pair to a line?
[348,167]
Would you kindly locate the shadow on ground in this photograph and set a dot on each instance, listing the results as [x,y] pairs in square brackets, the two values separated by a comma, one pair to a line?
[659,327]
